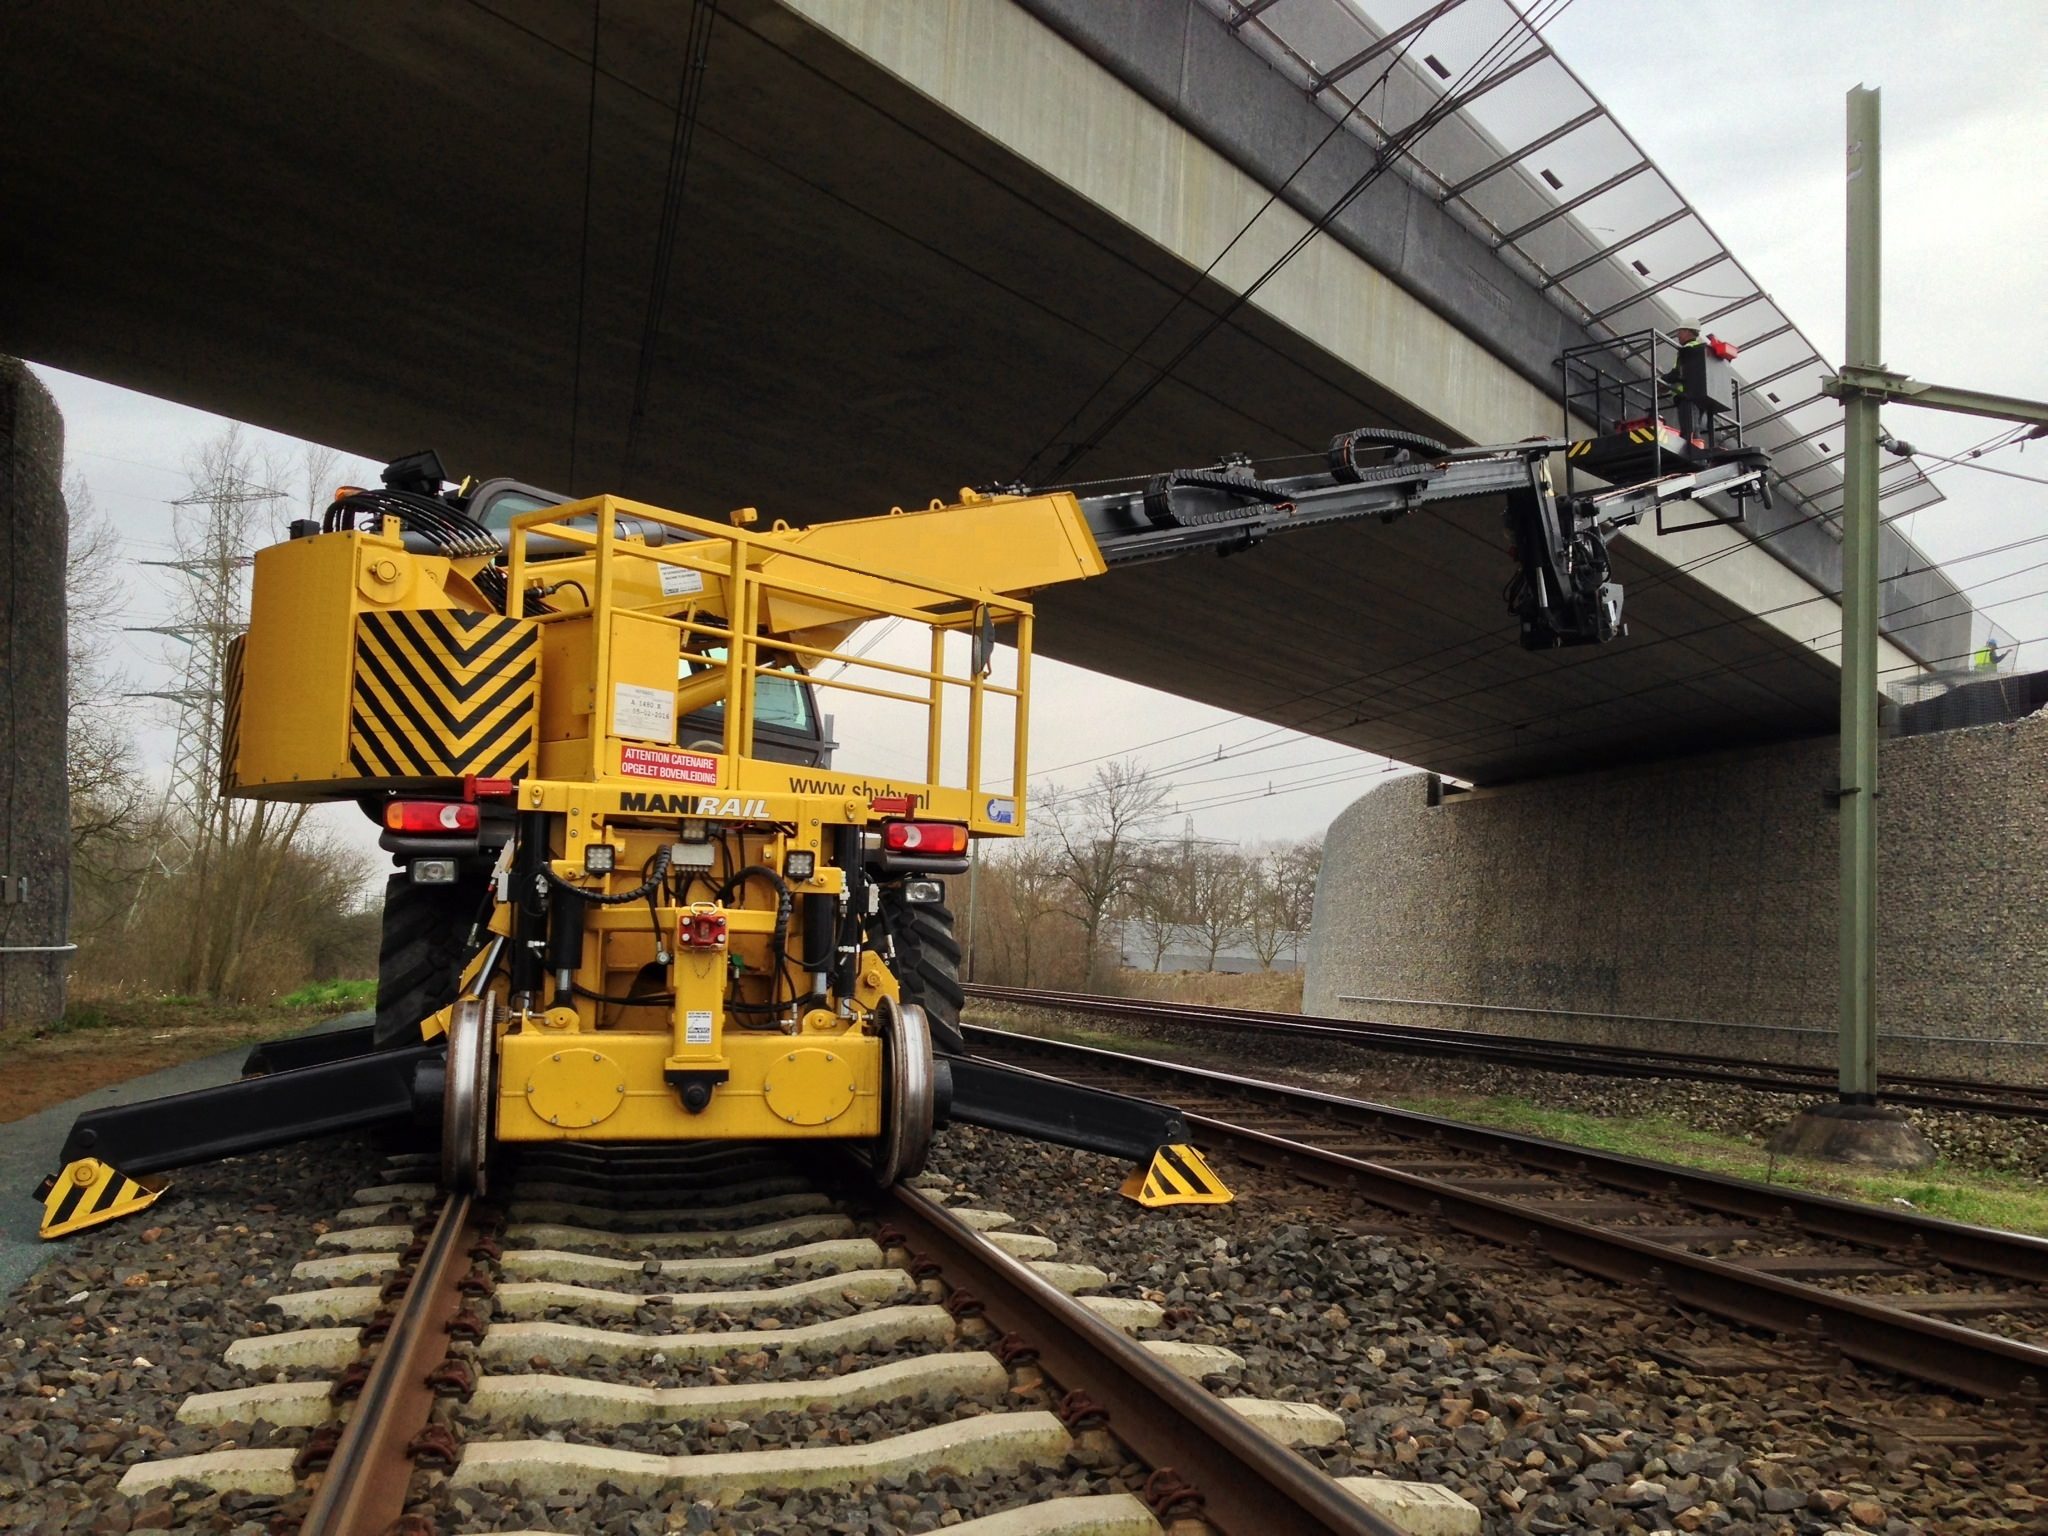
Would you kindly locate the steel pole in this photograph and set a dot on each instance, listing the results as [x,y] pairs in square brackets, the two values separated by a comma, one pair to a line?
[1858,801]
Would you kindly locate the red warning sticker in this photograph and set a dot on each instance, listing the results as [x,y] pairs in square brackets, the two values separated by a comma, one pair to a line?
[669,767]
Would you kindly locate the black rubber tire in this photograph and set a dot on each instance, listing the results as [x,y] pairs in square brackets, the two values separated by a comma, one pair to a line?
[425,945]
[927,963]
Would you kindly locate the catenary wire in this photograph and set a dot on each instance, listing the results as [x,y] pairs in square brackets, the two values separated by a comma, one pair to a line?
[1396,147]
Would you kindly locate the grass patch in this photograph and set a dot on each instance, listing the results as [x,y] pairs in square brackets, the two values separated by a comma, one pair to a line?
[1984,1198]
[333,996]
[77,1017]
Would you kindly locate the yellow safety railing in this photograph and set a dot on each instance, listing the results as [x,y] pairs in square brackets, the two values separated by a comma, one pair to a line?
[761,592]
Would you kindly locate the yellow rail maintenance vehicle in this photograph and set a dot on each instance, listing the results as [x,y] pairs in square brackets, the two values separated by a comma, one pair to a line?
[634,900]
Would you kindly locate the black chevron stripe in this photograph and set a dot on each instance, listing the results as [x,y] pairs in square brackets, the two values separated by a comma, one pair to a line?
[358,757]
[381,726]
[385,716]
[454,659]
[397,698]
[453,724]
[467,636]
[456,685]
[518,753]
[407,648]
[399,753]
[461,642]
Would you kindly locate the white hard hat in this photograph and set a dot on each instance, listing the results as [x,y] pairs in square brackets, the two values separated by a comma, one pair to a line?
[1689,325]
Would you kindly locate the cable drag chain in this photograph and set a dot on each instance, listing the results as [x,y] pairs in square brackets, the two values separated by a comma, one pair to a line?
[1640,1222]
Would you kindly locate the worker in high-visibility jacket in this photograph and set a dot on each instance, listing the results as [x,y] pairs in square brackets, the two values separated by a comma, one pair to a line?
[1688,335]
[1990,656]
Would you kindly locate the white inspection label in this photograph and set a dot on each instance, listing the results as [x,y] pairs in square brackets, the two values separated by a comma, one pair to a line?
[646,713]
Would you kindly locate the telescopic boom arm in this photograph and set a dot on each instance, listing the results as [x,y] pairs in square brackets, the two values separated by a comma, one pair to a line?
[1561,592]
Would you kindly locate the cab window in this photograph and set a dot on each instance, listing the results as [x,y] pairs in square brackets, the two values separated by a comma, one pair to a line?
[780,702]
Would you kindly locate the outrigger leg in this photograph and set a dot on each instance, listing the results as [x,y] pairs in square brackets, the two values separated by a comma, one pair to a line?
[111,1153]
[1143,1131]
[323,1085]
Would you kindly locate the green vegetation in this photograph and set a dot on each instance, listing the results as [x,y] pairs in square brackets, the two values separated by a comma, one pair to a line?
[78,1016]
[1983,1198]
[333,996]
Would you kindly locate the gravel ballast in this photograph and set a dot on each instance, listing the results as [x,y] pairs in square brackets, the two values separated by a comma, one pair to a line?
[1551,1401]
[103,1344]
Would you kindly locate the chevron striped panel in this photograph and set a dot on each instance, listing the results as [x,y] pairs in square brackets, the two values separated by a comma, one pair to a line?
[231,720]
[442,694]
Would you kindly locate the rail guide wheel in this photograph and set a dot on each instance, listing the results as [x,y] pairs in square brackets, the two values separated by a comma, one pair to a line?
[909,1088]
[466,1095]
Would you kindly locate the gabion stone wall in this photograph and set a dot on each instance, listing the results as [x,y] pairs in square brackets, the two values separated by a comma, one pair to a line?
[1698,898]
[35,806]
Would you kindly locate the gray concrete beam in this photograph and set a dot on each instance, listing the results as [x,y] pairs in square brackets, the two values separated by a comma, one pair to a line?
[35,801]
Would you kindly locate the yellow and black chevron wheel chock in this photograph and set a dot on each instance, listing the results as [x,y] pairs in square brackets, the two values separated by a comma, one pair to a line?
[1178,1175]
[89,1192]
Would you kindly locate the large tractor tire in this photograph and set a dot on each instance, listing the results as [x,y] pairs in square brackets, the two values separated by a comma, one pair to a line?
[425,946]
[927,964]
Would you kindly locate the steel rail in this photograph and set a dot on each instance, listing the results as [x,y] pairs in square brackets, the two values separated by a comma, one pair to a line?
[1251,1485]
[1988,1249]
[364,1488]
[1926,1349]
[2007,1100]
[1960,1359]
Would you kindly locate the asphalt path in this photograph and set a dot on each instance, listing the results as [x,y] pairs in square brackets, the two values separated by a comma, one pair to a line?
[29,1147]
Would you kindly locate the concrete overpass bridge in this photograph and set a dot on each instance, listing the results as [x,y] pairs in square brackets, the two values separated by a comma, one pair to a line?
[911,242]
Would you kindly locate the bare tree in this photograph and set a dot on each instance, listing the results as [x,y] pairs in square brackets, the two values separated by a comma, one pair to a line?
[1265,927]
[1291,873]
[109,800]
[1098,852]
[238,848]
[319,468]
[1220,896]
[1158,907]
[1028,893]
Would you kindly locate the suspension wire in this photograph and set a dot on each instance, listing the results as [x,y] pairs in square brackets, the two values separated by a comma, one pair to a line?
[1187,293]
[1247,747]
[1397,147]
[682,139]
[583,254]
[1233,798]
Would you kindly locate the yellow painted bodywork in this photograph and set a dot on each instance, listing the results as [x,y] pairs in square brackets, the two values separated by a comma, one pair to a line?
[530,1079]
[369,668]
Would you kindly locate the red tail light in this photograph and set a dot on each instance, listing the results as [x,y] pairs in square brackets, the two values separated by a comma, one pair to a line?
[431,816]
[939,837]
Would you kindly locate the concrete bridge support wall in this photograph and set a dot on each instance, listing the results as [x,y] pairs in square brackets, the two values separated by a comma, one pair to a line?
[1697,899]
[35,804]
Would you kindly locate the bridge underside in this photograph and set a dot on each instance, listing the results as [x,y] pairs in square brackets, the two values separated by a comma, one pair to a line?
[365,225]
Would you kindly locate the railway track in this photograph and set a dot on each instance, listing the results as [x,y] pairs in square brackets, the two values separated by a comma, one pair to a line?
[622,1322]
[2008,1100]
[1964,1308]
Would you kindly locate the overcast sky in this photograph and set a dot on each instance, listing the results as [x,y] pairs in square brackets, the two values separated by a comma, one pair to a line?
[1741,104]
